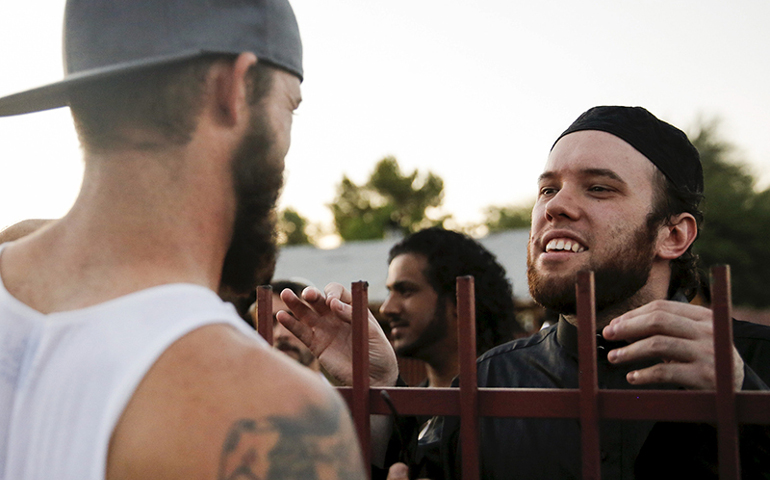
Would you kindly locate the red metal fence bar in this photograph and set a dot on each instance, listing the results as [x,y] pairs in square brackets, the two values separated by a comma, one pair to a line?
[727,428]
[589,387]
[725,407]
[264,319]
[469,402]
[360,408]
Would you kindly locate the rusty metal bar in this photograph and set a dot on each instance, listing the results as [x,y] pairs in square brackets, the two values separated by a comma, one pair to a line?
[664,405]
[727,427]
[469,401]
[360,408]
[264,315]
[589,388]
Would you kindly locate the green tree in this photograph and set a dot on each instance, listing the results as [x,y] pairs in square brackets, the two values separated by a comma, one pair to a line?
[389,200]
[498,218]
[292,228]
[736,219]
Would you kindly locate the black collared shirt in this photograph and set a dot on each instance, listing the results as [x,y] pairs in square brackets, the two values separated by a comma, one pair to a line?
[550,448]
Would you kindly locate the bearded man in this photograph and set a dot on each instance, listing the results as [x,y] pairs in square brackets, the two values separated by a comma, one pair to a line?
[619,195]
[118,358]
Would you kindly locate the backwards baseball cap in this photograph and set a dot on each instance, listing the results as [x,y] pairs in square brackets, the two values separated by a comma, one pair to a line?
[104,39]
[662,143]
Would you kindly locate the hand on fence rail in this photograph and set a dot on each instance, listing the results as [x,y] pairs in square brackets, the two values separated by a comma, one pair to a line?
[323,323]
[399,471]
[680,334]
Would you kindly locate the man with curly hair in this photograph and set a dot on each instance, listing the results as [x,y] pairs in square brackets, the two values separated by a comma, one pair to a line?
[421,306]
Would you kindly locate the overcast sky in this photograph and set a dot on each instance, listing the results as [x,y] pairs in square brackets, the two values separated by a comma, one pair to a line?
[474,91]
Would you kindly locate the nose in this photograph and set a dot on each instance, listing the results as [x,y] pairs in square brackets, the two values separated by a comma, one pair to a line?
[388,306]
[562,204]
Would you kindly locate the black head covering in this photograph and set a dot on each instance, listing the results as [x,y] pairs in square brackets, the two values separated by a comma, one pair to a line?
[662,143]
[103,39]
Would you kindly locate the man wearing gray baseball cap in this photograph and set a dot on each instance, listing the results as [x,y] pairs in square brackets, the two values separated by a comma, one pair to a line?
[117,358]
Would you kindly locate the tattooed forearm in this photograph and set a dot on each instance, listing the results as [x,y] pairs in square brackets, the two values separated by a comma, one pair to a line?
[308,446]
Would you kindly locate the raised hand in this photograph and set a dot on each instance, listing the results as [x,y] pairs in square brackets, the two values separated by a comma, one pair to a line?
[323,323]
[680,335]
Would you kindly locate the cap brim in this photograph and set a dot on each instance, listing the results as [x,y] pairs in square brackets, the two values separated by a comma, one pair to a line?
[56,95]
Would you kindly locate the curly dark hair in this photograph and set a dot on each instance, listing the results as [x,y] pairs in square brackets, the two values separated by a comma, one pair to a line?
[669,201]
[451,254]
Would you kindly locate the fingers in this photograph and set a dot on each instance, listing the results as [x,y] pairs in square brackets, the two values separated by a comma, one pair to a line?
[398,471]
[677,334]
[661,318]
[336,290]
[695,376]
[303,332]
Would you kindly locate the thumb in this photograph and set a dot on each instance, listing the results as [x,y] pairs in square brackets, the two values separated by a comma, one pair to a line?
[398,471]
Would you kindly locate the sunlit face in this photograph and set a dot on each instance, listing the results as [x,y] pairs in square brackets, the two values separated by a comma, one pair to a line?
[417,316]
[285,341]
[591,213]
[257,169]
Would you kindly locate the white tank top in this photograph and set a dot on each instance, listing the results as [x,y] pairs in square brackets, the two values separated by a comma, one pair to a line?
[66,377]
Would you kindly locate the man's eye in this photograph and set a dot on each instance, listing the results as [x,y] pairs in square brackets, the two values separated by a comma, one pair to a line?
[547,191]
[598,188]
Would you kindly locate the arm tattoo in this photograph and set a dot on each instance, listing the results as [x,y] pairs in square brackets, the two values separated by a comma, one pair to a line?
[308,446]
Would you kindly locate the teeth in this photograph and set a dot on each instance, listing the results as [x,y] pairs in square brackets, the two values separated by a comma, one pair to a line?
[562,244]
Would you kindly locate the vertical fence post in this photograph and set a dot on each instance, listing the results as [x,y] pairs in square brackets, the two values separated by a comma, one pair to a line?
[361,409]
[264,315]
[469,401]
[589,389]
[727,427]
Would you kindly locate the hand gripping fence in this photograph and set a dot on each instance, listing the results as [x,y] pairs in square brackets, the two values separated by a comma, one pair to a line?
[724,407]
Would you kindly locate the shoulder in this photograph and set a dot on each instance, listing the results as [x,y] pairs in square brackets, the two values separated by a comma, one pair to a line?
[217,403]
[521,346]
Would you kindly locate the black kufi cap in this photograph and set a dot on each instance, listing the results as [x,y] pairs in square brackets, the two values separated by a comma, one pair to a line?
[662,143]
[106,38]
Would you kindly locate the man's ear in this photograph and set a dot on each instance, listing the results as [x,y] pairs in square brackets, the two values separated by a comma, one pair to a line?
[231,89]
[676,236]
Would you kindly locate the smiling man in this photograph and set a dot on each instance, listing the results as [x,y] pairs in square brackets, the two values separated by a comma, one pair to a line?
[619,195]
[118,358]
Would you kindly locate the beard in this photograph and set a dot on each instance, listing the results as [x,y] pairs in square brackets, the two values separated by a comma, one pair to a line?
[617,277]
[436,330]
[257,181]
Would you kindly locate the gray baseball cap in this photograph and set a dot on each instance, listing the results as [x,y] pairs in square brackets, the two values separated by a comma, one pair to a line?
[106,38]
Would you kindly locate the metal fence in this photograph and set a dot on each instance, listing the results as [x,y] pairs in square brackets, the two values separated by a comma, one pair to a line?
[723,407]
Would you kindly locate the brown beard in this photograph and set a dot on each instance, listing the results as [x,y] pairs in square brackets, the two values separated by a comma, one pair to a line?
[436,330]
[257,180]
[616,278]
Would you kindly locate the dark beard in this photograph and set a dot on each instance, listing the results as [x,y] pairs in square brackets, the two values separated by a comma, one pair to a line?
[436,330]
[616,279]
[257,180]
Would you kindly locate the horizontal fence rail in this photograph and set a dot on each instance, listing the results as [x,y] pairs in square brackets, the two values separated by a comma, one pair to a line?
[589,404]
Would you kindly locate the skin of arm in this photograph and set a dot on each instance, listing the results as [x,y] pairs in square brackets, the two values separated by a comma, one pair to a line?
[218,406]
[680,334]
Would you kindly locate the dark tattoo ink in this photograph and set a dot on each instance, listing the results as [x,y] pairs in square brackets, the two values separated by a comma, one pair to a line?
[308,446]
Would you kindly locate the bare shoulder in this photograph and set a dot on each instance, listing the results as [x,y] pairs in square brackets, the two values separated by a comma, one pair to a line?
[216,405]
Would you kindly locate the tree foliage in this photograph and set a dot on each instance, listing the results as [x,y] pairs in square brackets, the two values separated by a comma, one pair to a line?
[737,219]
[499,218]
[389,200]
[292,228]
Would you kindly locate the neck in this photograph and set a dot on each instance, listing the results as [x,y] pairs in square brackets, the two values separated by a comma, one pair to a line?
[656,288]
[142,219]
[441,373]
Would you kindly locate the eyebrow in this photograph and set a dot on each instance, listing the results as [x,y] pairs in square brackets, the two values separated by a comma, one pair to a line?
[586,172]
